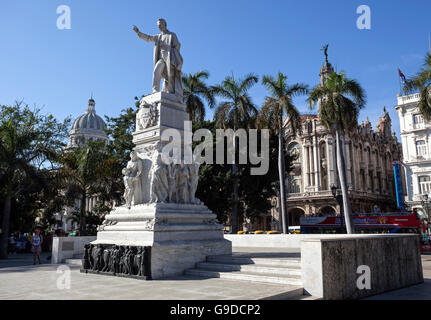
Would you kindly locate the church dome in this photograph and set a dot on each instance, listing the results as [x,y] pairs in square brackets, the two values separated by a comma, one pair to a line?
[89,120]
[87,127]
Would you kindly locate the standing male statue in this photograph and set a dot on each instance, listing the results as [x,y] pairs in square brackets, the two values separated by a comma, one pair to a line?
[167,60]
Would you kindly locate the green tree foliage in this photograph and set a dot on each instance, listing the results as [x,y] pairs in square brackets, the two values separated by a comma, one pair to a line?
[195,90]
[29,145]
[340,100]
[120,130]
[215,187]
[422,82]
[90,171]
[272,116]
[235,111]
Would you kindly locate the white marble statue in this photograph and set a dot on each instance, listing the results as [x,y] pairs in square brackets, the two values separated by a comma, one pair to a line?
[159,181]
[182,177]
[172,182]
[193,181]
[132,180]
[168,61]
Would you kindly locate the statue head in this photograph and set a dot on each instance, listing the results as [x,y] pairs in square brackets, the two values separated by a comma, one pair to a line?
[161,23]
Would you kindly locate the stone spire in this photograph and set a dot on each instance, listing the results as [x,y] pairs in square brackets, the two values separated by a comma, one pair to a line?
[384,124]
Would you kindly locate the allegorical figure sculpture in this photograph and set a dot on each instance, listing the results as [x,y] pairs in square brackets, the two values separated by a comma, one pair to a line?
[132,179]
[193,181]
[159,181]
[168,61]
[182,184]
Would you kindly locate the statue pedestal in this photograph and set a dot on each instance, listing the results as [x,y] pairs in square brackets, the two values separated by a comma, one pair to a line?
[153,238]
[180,235]
[168,114]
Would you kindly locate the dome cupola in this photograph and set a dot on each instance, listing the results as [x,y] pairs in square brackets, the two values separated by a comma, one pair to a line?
[87,127]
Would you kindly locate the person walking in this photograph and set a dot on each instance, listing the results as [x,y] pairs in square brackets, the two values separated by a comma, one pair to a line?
[36,246]
[49,240]
[12,244]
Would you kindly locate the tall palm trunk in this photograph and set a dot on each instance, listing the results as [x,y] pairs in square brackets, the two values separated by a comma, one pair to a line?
[341,166]
[235,200]
[281,171]
[235,181]
[5,227]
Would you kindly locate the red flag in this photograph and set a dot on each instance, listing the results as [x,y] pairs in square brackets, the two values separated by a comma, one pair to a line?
[401,75]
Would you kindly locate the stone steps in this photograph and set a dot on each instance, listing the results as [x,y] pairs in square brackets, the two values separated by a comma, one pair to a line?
[216,266]
[74,262]
[282,262]
[247,276]
[286,271]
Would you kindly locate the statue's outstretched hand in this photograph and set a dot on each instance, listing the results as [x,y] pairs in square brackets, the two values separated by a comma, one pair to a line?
[135,28]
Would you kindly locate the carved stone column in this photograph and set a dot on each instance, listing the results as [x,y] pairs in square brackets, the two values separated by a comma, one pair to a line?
[306,166]
[316,163]
[311,164]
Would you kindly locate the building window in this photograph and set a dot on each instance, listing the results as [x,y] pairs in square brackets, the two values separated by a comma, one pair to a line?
[421,148]
[294,184]
[425,185]
[418,121]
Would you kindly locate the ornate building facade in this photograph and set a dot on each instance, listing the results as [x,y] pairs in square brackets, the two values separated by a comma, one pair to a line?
[87,127]
[416,141]
[368,154]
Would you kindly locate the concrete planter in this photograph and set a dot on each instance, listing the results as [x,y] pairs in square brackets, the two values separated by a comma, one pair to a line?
[330,264]
[68,247]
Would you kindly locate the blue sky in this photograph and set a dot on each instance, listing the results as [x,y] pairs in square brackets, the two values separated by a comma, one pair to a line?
[58,69]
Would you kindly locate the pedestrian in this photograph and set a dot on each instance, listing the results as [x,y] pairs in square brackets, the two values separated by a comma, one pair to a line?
[49,244]
[12,244]
[36,246]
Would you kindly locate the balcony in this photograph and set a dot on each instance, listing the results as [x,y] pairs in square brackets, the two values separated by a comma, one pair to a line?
[411,98]
[417,126]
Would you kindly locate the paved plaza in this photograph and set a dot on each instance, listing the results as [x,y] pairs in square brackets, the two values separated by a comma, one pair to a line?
[21,280]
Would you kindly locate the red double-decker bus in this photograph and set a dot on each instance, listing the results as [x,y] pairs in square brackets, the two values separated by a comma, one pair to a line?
[369,223]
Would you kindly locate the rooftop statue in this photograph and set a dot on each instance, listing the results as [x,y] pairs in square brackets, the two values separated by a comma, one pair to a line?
[168,61]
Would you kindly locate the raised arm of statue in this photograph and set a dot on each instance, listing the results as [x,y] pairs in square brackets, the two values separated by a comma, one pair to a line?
[144,36]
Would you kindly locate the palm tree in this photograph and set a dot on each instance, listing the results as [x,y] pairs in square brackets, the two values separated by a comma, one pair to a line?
[195,90]
[272,113]
[237,110]
[82,175]
[422,82]
[340,100]
[29,141]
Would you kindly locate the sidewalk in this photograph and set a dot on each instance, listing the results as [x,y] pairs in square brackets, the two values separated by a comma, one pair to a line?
[20,279]
[23,259]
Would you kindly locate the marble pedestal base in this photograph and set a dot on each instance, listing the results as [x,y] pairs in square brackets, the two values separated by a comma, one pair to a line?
[180,235]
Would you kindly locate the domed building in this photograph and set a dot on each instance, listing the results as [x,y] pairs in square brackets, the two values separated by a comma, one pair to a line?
[87,127]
